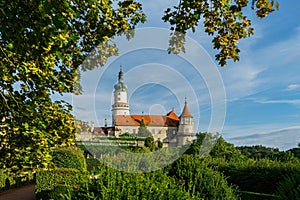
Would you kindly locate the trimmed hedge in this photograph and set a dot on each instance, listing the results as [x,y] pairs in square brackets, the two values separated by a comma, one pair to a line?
[69,174]
[51,184]
[289,187]
[261,176]
[117,185]
[92,164]
[71,157]
[5,180]
[9,180]
[200,180]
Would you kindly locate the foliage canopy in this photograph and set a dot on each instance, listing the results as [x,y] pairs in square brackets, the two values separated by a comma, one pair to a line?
[225,20]
[43,45]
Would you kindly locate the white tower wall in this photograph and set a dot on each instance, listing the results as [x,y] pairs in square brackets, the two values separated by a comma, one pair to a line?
[120,105]
[186,127]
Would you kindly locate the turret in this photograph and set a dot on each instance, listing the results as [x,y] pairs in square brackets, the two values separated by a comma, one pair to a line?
[186,126]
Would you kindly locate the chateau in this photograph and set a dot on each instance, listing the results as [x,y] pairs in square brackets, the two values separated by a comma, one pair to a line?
[171,129]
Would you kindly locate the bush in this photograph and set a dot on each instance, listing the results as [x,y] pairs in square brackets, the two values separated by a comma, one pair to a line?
[289,188]
[5,180]
[261,176]
[115,185]
[71,157]
[10,180]
[52,184]
[200,180]
[92,164]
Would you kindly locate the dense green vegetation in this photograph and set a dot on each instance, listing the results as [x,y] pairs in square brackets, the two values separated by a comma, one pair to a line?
[227,172]
[45,44]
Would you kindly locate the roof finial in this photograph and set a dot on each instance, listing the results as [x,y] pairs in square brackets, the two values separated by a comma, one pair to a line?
[185,102]
[120,74]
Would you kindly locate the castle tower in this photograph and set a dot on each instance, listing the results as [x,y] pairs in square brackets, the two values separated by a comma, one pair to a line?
[120,105]
[186,126]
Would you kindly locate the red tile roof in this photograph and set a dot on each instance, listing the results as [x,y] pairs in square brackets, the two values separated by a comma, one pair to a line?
[185,112]
[171,119]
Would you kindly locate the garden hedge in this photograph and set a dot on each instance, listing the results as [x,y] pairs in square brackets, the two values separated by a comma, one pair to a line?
[71,157]
[51,184]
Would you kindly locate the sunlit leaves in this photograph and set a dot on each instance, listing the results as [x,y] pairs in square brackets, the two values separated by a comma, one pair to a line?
[224,20]
[42,47]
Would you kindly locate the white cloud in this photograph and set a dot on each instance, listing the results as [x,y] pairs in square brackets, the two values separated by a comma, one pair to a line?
[272,135]
[293,86]
[279,101]
[242,80]
[259,70]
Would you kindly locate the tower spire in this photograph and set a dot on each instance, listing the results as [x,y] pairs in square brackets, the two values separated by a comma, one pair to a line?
[120,105]
[185,111]
[120,74]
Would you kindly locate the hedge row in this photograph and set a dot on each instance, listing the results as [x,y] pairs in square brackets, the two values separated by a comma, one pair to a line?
[51,184]
[67,176]
[71,157]
[261,176]
[9,181]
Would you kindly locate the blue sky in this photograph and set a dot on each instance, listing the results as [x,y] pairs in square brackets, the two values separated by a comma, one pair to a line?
[254,101]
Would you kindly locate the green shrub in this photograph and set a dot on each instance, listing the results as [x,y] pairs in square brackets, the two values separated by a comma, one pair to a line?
[92,164]
[289,188]
[71,157]
[5,180]
[200,180]
[261,176]
[10,180]
[51,184]
[113,184]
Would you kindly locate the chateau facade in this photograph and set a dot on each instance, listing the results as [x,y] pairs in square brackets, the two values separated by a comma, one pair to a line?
[171,129]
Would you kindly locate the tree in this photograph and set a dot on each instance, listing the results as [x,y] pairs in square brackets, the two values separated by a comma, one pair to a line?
[42,47]
[195,147]
[223,19]
[83,126]
[159,144]
[149,142]
[143,131]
